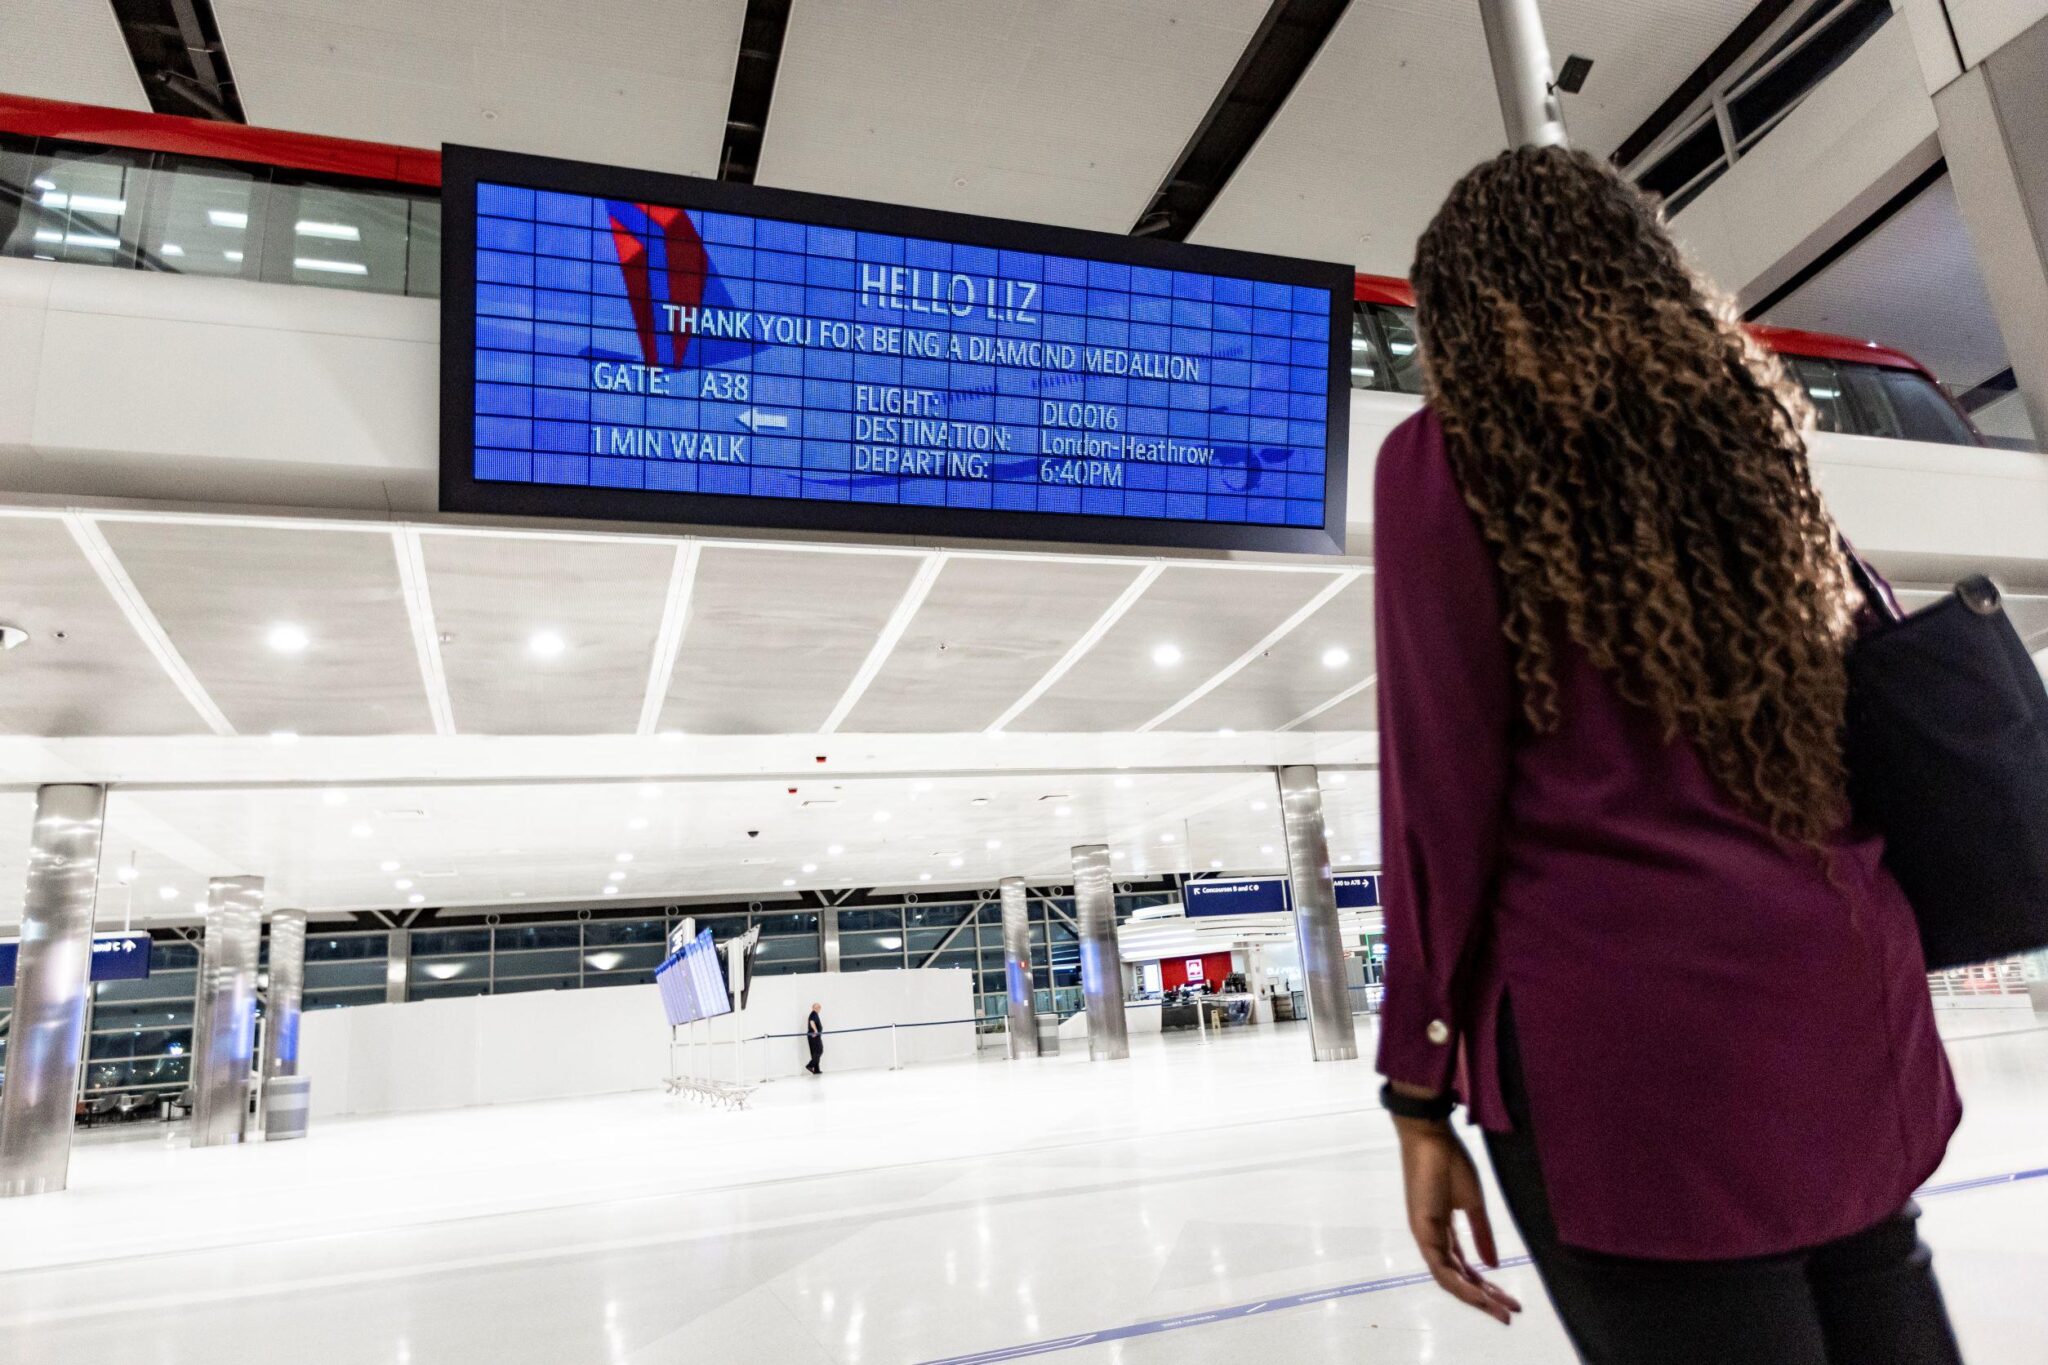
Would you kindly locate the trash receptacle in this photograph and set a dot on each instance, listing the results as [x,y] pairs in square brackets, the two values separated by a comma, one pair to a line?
[1048,1035]
[287,1102]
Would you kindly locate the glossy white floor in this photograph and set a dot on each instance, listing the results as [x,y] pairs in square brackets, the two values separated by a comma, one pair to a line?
[971,1210]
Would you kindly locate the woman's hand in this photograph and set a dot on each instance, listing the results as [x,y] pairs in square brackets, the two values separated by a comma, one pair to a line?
[1439,1177]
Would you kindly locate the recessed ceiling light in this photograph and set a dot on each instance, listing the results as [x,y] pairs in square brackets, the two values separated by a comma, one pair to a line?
[171,249]
[227,218]
[168,893]
[286,638]
[334,796]
[670,736]
[1063,811]
[1123,782]
[402,884]
[1336,656]
[615,876]
[994,844]
[1258,805]
[129,871]
[517,895]
[1227,733]
[834,850]
[416,899]
[361,831]
[882,817]
[953,862]
[924,876]
[332,232]
[789,881]
[650,791]
[284,736]
[1166,656]
[1166,838]
[388,865]
[1215,862]
[1266,849]
[234,256]
[1339,779]
[623,858]
[637,822]
[545,644]
[611,891]
[921,786]
[1116,856]
[809,868]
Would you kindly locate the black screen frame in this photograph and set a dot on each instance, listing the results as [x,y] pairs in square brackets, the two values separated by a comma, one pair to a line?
[463,167]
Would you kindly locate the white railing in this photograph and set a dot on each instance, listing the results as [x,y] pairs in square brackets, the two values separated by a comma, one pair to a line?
[1993,983]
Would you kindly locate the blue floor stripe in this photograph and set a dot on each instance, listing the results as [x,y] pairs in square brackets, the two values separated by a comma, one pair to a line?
[1241,1311]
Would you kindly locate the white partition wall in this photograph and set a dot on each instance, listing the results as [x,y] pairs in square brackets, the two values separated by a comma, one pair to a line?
[503,1049]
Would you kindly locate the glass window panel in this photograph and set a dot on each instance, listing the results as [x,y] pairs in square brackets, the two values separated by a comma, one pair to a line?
[915,916]
[765,967]
[954,957]
[640,976]
[870,919]
[723,927]
[884,941]
[798,922]
[795,948]
[428,942]
[81,205]
[443,990]
[340,947]
[890,963]
[155,1013]
[1366,369]
[633,957]
[1921,411]
[1404,354]
[512,938]
[547,961]
[17,157]
[172,956]
[603,933]
[157,985]
[520,985]
[474,967]
[1823,385]
[423,250]
[333,999]
[925,940]
[202,218]
[343,237]
[140,1042]
[325,974]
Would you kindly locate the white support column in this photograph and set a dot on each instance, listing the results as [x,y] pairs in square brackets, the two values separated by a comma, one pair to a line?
[1529,106]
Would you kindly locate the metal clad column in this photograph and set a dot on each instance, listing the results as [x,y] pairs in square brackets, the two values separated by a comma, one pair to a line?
[287,987]
[51,979]
[224,1029]
[1521,73]
[1330,1030]
[1017,968]
[1102,976]
[397,965]
[828,940]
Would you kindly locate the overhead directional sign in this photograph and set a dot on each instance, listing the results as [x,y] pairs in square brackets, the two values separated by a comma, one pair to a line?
[115,957]
[1270,895]
[626,344]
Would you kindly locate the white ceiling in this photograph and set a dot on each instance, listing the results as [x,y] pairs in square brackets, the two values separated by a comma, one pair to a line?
[627,82]
[65,50]
[1054,111]
[1915,283]
[1401,102]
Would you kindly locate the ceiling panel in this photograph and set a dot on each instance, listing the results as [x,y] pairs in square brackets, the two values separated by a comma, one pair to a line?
[493,594]
[219,596]
[65,50]
[1401,102]
[1293,677]
[99,678]
[988,631]
[628,82]
[775,637]
[1211,614]
[1915,284]
[1056,111]
[1357,712]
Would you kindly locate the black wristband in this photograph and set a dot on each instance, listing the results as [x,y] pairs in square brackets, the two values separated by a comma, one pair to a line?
[1433,1110]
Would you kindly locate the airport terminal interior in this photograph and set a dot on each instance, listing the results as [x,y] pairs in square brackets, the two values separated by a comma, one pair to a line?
[697,680]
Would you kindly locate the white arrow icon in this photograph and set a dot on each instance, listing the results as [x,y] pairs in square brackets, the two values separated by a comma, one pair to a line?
[753,419]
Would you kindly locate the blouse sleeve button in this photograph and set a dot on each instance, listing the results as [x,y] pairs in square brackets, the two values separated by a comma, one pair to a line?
[1439,1032]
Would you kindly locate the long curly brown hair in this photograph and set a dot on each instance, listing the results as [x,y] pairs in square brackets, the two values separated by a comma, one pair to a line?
[1636,462]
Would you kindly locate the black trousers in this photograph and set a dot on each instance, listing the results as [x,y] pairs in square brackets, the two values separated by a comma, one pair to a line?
[817,1051]
[1866,1299]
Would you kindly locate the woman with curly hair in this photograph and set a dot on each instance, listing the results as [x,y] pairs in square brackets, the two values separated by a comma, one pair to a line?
[1629,922]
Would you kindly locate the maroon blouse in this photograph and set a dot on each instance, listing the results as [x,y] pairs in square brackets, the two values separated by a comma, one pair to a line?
[1726,1055]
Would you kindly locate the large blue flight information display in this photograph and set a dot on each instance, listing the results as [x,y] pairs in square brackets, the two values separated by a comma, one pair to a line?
[626,344]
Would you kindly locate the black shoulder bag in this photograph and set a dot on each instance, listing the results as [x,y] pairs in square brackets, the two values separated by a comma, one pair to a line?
[1947,750]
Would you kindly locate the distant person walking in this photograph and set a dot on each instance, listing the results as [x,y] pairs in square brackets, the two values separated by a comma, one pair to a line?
[1629,921]
[814,1036]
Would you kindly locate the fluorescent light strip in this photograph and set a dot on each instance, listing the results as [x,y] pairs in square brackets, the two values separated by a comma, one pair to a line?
[227,218]
[333,232]
[113,575]
[1346,695]
[330,267]
[1274,637]
[668,642]
[885,643]
[1079,649]
[426,634]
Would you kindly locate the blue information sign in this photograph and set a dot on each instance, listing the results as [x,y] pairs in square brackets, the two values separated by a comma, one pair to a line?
[623,343]
[115,957]
[1270,895]
[692,983]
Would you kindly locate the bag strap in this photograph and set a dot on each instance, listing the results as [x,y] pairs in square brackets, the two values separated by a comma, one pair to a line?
[1876,595]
